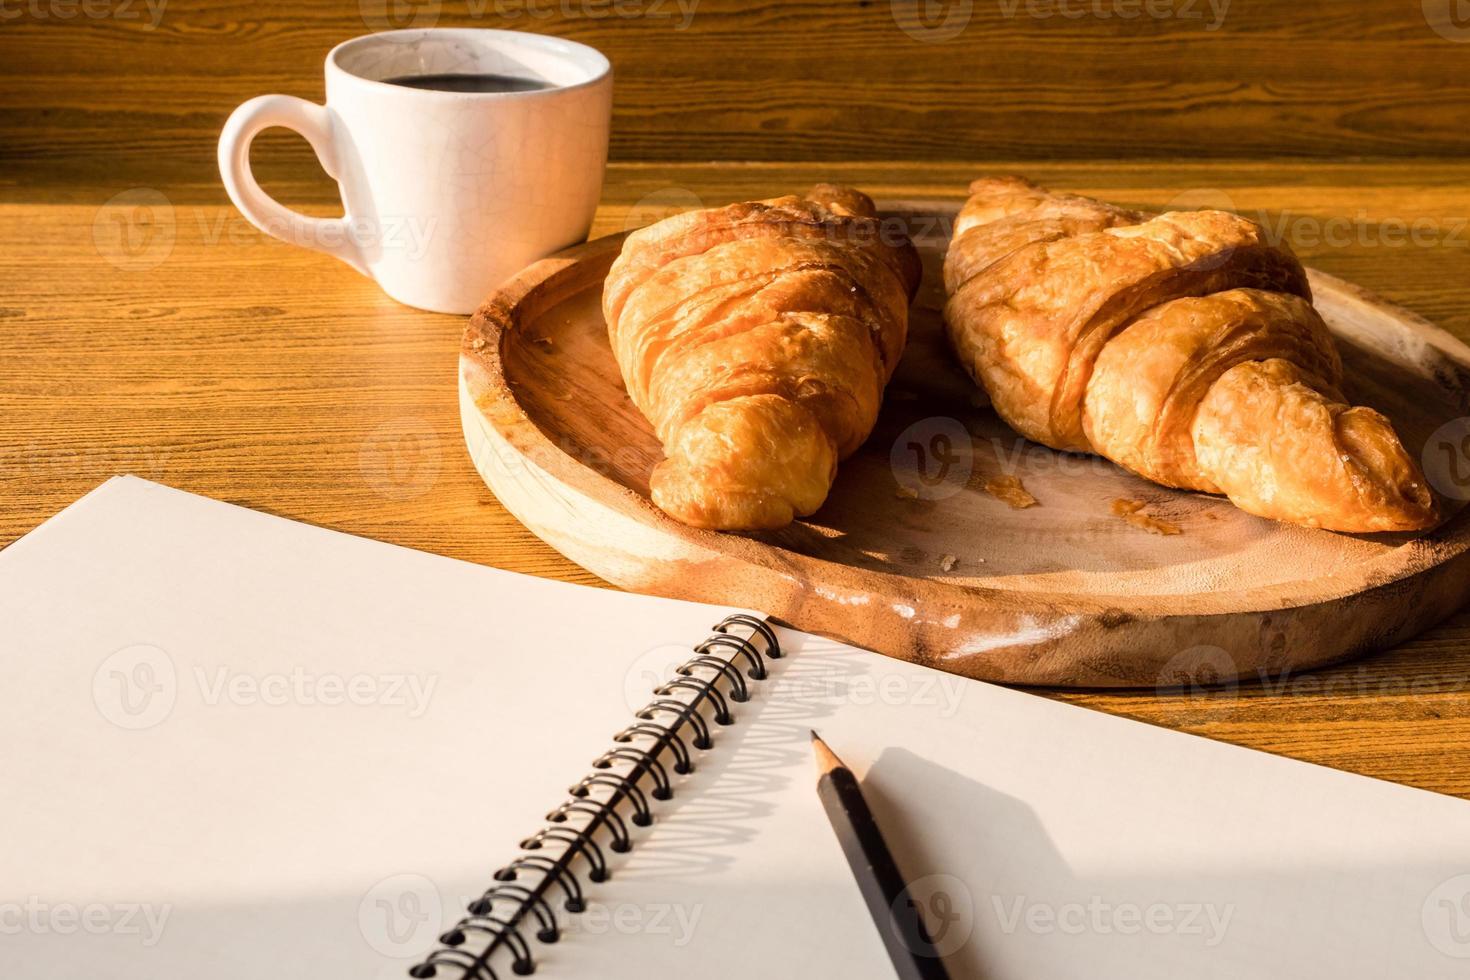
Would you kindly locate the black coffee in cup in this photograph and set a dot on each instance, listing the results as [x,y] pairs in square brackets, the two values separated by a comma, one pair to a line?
[476,82]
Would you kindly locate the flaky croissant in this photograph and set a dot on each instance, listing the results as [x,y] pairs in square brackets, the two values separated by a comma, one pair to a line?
[1183,347]
[757,339]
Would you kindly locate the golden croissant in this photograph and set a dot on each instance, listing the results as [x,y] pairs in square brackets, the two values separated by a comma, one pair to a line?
[1183,347]
[757,339]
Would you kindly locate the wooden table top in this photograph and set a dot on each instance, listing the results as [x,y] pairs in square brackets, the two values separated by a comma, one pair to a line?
[153,331]
[148,86]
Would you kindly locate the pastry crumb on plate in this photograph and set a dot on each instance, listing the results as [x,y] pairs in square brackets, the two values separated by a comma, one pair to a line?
[1132,512]
[1010,490]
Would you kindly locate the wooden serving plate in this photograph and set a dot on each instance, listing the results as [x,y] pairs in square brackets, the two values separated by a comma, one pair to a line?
[1065,593]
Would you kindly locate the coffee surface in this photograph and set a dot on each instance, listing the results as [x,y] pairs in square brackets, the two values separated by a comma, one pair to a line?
[475,82]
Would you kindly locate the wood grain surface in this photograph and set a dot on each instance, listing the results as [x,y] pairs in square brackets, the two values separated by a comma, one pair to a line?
[161,335]
[773,80]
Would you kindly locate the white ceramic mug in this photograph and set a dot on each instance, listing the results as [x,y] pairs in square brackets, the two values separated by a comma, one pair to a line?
[445,194]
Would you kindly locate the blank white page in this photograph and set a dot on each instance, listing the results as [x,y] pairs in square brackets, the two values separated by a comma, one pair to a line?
[251,748]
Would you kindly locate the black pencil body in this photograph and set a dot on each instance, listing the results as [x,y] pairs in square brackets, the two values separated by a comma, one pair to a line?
[883,888]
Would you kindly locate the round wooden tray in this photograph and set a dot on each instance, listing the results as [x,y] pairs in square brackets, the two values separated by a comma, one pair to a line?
[911,556]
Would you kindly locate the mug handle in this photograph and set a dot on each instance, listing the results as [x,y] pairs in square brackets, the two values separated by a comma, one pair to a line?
[331,235]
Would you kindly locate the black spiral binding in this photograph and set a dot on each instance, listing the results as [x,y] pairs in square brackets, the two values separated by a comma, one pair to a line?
[547,864]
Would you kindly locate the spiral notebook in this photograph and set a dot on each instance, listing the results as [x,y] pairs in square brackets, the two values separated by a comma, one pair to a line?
[240,747]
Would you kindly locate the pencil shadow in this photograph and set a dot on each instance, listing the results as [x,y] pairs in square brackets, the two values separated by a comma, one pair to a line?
[994,822]
[1007,903]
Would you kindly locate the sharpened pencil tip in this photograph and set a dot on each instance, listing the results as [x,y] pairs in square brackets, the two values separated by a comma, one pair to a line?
[826,759]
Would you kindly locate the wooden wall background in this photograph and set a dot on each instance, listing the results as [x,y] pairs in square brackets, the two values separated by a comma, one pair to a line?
[147,88]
